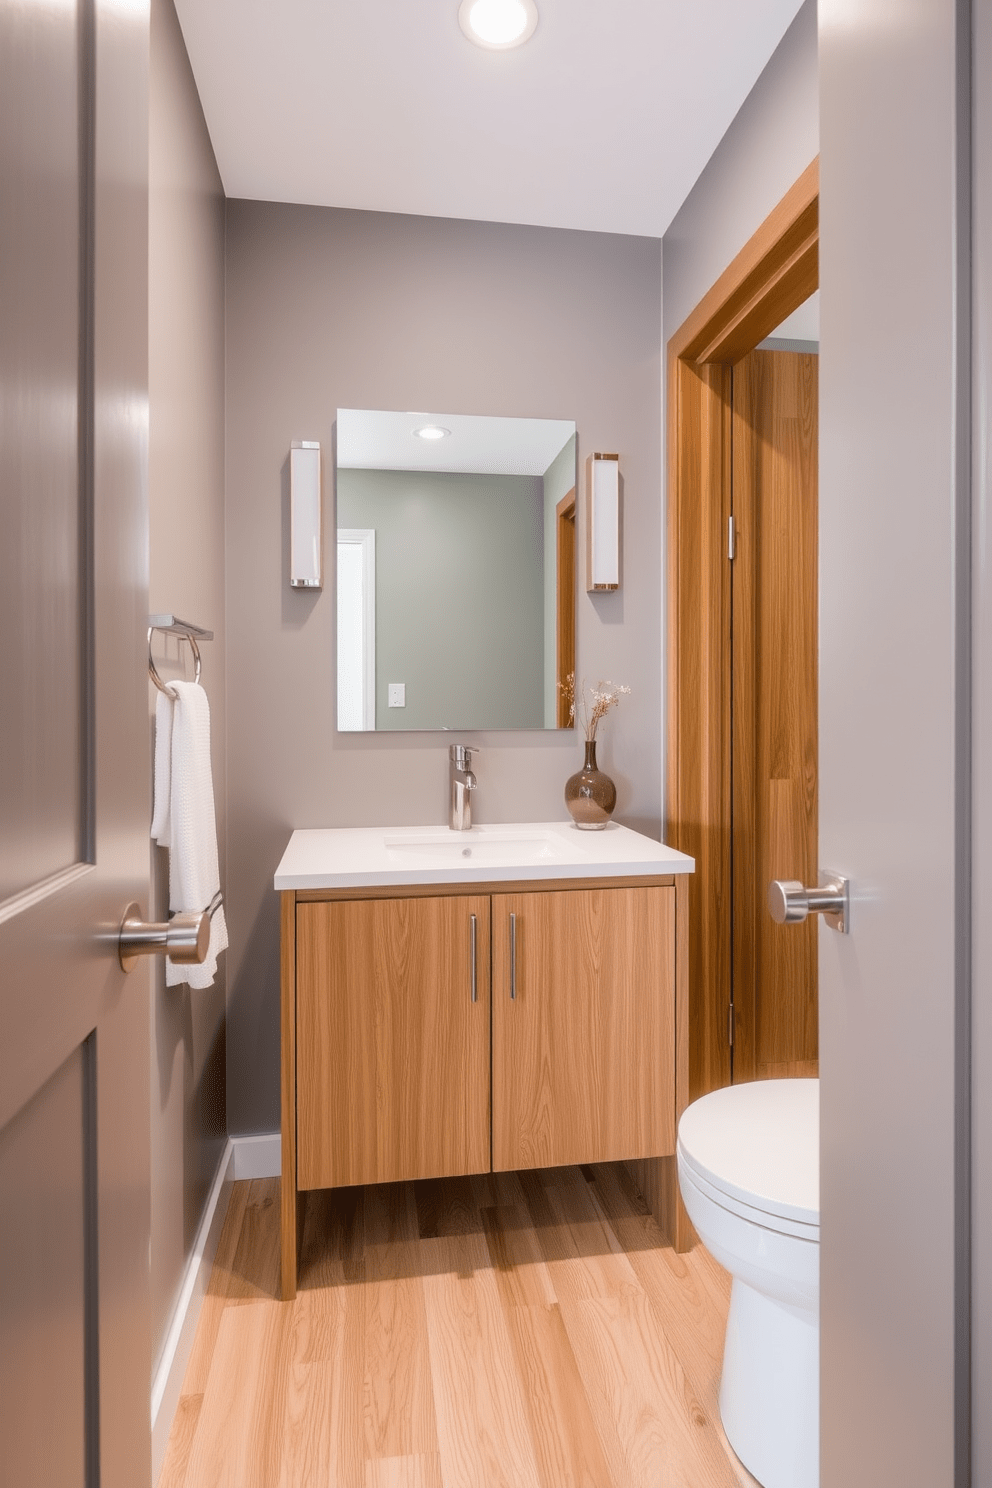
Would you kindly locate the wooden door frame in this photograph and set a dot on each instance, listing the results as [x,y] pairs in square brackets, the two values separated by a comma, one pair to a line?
[775,271]
[564,605]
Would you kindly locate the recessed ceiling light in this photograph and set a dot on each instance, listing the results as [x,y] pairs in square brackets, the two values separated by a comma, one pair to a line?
[498,24]
[431,431]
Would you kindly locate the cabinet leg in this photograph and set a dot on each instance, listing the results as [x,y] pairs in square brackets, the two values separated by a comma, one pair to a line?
[291,1231]
[658,1180]
[683,1235]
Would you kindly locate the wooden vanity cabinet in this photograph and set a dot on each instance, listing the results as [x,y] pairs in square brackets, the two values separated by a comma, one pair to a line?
[430,1033]
[583,1026]
[392,1030]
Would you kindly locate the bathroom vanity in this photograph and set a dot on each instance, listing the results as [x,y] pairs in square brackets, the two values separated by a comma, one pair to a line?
[465,1002]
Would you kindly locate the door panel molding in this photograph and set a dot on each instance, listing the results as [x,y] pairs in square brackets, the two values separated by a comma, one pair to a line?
[76,121]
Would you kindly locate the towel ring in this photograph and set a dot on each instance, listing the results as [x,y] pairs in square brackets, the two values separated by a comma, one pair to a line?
[153,670]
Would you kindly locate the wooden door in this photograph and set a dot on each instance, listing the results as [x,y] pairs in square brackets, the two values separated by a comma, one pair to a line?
[74,758]
[583,1026]
[774,708]
[392,1039]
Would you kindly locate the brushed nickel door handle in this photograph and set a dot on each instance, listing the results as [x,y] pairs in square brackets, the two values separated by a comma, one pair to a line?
[789,903]
[472,952]
[185,938]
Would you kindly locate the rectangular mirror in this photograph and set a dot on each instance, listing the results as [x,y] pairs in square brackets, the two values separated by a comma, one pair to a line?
[455,569]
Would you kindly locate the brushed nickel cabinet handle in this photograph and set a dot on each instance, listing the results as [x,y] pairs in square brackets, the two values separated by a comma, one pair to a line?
[472,945]
[513,958]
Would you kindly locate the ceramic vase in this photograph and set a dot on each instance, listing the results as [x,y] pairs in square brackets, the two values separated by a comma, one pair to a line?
[590,795]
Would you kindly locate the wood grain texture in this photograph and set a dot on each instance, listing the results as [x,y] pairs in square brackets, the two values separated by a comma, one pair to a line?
[482,1425]
[775,271]
[214,1302]
[184,1424]
[463,890]
[392,1054]
[690,1293]
[649,1434]
[405,1472]
[775,704]
[793,1069]
[771,276]
[553,1340]
[287,1073]
[398,1404]
[247,1389]
[568,1449]
[582,1253]
[516,1257]
[698,755]
[565,580]
[583,1057]
[657,1177]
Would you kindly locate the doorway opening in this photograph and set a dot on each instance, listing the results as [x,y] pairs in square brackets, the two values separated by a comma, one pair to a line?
[741,786]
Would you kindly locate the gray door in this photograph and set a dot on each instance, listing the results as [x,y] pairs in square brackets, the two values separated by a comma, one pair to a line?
[74,1054]
[981,1092]
[894,720]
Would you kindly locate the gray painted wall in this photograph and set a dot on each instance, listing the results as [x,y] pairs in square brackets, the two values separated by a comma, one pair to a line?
[329,309]
[459,594]
[770,143]
[186,576]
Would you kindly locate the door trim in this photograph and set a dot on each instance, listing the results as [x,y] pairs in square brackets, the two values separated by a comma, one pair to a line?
[564,604]
[775,271]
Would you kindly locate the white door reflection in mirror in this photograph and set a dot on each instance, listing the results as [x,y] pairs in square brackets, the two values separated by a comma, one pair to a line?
[356,628]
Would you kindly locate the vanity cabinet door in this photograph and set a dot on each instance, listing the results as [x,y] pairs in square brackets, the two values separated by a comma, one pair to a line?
[583,1026]
[392,1051]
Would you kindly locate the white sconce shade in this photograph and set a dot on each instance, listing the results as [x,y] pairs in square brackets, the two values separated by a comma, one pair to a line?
[603,523]
[306,559]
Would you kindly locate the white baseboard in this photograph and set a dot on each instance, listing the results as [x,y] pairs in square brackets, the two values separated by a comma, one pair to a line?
[167,1378]
[257,1156]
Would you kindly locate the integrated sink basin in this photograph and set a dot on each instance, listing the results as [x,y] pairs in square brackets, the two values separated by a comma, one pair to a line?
[479,845]
[369,857]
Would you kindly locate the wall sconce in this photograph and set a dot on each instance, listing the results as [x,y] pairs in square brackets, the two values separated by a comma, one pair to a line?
[603,523]
[306,556]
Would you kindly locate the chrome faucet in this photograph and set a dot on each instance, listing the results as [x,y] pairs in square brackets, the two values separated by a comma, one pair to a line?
[462,783]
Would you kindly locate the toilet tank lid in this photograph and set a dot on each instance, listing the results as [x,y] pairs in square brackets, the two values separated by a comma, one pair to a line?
[760,1143]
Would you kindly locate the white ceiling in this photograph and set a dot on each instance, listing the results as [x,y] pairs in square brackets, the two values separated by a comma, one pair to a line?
[602,121]
[373,440]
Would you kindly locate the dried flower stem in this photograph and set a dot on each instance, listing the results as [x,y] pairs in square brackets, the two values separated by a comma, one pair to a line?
[590,704]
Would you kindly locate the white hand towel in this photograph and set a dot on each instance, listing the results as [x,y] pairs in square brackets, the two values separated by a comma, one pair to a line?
[162,813]
[185,821]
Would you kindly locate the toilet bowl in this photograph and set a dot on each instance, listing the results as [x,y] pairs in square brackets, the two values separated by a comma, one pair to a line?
[748,1163]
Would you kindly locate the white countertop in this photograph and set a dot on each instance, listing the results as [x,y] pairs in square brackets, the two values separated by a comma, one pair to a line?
[368,857]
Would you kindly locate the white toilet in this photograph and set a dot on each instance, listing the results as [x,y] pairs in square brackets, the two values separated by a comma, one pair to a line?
[749,1170]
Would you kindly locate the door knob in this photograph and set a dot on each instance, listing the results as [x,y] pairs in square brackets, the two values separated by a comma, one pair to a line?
[185,938]
[789,902]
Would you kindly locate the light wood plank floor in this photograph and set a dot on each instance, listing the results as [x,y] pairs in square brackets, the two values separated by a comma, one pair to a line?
[520,1330]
